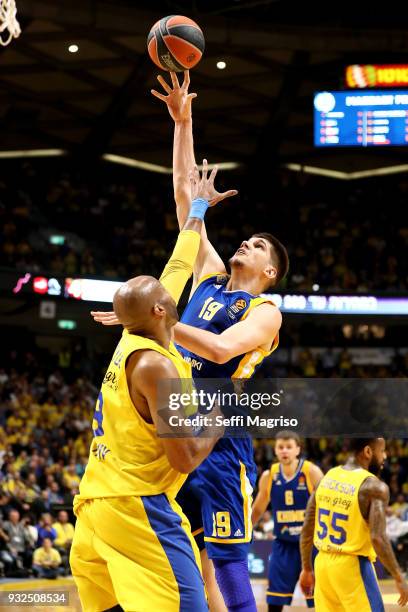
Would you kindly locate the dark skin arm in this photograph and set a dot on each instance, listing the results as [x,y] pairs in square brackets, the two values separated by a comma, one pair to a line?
[306,578]
[144,370]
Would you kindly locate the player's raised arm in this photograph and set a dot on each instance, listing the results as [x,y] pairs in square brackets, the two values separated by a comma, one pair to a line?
[262,499]
[143,372]
[259,328]
[374,495]
[181,263]
[178,102]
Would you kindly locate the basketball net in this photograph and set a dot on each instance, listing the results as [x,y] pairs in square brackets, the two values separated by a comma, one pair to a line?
[8,21]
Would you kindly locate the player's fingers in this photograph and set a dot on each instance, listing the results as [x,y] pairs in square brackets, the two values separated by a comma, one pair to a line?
[228,194]
[103,316]
[191,96]
[163,83]
[174,80]
[158,95]
[196,173]
[205,170]
[213,174]
[186,81]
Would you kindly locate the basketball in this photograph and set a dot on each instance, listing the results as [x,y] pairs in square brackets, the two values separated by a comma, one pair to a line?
[175,43]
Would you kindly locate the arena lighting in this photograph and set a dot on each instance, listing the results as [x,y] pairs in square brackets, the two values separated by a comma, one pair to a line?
[136,163]
[103,291]
[347,176]
[32,153]
[73,48]
[221,65]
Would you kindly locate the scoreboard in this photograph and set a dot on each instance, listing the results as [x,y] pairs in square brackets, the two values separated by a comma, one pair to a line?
[354,118]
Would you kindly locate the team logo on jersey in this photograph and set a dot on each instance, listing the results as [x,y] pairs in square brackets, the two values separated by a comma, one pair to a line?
[239,305]
[236,308]
[301,483]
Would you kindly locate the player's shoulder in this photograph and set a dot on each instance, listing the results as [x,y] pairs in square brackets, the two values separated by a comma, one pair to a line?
[150,363]
[216,278]
[264,479]
[265,307]
[374,488]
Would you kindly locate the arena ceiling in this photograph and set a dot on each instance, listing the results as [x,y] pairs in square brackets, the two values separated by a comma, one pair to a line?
[258,111]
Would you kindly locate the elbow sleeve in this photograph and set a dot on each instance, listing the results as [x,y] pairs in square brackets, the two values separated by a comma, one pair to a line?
[180,265]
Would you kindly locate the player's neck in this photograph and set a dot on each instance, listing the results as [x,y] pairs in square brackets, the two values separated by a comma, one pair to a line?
[244,280]
[353,464]
[161,336]
[289,470]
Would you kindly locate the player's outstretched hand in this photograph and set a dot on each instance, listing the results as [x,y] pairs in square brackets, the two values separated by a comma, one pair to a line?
[402,587]
[203,187]
[106,318]
[178,99]
[307,581]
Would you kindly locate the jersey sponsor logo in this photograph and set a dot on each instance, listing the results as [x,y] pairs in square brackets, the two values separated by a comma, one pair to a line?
[197,365]
[238,533]
[118,357]
[100,451]
[290,516]
[111,380]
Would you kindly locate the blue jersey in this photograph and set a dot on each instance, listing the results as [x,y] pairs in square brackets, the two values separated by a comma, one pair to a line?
[221,487]
[289,500]
[215,309]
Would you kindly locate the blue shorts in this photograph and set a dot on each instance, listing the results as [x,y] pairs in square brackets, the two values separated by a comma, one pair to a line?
[285,565]
[217,499]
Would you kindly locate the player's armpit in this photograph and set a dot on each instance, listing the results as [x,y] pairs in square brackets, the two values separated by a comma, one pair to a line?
[253,332]
[262,499]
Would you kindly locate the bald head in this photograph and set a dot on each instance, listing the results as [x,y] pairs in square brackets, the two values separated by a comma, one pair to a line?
[142,302]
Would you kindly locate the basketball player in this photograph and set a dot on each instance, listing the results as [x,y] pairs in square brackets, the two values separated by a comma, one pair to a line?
[286,486]
[133,546]
[345,520]
[227,330]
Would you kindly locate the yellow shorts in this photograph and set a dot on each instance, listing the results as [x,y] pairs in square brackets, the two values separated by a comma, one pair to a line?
[137,552]
[346,583]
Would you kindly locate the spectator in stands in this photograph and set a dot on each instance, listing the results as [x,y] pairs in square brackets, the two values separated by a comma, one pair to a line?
[65,531]
[46,560]
[18,543]
[6,558]
[65,534]
[45,529]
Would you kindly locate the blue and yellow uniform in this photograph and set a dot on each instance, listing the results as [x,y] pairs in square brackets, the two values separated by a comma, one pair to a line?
[217,497]
[289,499]
[345,575]
[133,545]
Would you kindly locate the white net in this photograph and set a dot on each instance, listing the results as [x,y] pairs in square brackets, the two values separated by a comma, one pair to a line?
[9,26]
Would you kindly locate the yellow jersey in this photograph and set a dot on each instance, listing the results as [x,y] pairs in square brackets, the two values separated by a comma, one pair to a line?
[126,456]
[339,525]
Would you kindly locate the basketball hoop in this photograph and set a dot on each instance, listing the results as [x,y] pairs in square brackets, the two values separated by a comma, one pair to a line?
[8,21]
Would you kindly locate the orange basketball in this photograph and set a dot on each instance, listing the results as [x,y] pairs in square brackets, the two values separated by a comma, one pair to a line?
[175,43]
